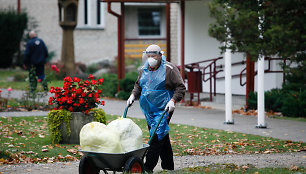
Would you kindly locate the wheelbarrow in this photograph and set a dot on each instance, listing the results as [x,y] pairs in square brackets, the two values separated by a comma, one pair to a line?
[128,162]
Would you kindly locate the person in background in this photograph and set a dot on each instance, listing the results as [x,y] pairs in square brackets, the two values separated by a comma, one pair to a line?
[35,57]
[159,86]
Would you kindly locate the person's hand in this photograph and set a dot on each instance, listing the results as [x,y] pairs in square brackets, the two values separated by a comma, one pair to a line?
[170,106]
[130,101]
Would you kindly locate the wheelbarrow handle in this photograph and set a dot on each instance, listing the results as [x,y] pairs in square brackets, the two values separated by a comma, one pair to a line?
[155,129]
[125,111]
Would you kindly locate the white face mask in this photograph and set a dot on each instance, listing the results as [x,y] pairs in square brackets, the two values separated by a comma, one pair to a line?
[152,62]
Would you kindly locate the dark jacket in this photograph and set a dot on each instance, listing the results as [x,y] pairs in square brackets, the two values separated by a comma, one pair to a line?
[173,81]
[36,52]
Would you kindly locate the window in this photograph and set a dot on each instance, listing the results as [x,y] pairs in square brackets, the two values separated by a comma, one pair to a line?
[90,14]
[149,22]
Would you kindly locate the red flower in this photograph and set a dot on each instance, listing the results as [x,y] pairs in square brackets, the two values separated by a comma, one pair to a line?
[93,82]
[67,79]
[75,79]
[101,81]
[39,80]
[77,95]
[103,103]
[54,67]
[50,100]
[90,76]
[52,90]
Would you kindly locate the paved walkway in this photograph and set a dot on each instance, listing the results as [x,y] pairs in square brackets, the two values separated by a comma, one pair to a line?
[208,118]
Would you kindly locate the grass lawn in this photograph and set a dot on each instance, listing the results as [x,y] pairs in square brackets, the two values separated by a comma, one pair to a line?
[26,139]
[25,85]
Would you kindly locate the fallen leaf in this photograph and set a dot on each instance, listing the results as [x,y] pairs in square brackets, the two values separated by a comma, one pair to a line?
[45,150]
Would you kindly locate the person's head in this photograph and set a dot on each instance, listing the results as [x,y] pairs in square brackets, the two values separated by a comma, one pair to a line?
[153,54]
[32,34]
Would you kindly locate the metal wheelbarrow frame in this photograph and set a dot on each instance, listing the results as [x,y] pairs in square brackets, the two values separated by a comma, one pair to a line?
[128,162]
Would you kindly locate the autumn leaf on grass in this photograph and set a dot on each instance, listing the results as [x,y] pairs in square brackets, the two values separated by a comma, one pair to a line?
[44,150]
[294,168]
[73,151]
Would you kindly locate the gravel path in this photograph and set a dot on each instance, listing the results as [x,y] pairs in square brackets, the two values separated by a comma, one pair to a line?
[258,160]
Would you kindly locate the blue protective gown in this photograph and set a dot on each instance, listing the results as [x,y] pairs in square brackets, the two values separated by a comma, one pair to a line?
[154,97]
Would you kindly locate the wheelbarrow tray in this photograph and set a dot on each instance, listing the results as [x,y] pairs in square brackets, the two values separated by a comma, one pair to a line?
[114,161]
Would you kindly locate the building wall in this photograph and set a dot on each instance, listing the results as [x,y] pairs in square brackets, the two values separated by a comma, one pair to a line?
[174,7]
[91,44]
[45,13]
[200,46]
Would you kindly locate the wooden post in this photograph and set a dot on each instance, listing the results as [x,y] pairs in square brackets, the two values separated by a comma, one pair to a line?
[250,66]
[168,25]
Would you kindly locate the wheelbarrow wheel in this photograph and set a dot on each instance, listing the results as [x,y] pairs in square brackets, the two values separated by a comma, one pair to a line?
[134,165]
[87,167]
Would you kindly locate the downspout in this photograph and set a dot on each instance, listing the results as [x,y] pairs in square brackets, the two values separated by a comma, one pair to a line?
[120,59]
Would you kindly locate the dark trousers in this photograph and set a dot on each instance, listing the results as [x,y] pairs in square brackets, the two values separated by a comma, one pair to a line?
[160,149]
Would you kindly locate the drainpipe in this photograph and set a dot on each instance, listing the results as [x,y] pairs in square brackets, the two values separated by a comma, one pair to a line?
[120,59]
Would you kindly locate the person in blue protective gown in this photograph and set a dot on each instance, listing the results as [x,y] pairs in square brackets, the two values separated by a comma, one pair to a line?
[159,86]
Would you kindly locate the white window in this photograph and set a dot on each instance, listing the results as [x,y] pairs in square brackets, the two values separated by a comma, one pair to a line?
[90,14]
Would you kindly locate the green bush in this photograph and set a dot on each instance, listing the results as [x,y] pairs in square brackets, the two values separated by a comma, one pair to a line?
[294,104]
[252,100]
[127,84]
[12,28]
[109,85]
[20,76]
[273,100]
[92,68]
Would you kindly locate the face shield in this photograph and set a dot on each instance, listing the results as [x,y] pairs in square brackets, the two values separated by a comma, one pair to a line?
[150,54]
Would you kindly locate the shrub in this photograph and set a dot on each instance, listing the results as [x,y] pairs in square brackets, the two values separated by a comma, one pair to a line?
[109,85]
[20,76]
[77,95]
[273,100]
[12,29]
[294,104]
[252,100]
[92,68]
[126,85]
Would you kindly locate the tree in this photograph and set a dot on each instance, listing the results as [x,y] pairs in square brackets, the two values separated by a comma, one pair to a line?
[283,27]
[12,28]
[283,31]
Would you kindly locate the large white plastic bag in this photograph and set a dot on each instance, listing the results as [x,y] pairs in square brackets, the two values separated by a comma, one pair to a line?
[130,133]
[97,137]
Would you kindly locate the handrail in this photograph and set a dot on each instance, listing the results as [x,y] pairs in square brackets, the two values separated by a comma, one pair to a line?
[241,73]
